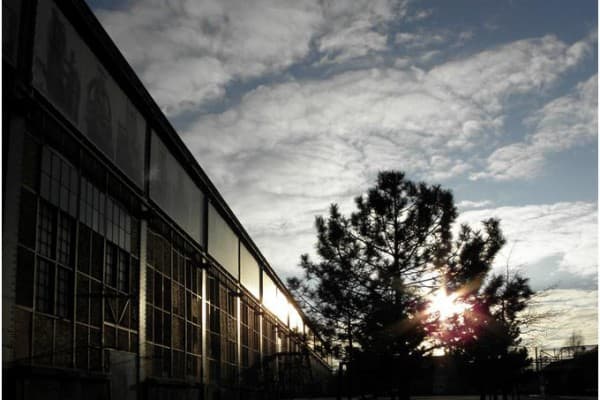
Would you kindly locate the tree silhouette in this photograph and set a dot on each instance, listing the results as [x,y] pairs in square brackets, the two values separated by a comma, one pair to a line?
[366,288]
[486,337]
[369,289]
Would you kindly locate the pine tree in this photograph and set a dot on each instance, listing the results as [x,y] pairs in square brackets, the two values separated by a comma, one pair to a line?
[366,288]
[486,337]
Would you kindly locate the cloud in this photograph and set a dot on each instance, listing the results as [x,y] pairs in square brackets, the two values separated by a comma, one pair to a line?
[289,149]
[427,39]
[420,15]
[563,123]
[515,161]
[355,29]
[467,204]
[300,145]
[419,40]
[187,52]
[490,77]
[567,309]
[389,100]
[534,233]
[556,247]
[209,43]
[403,117]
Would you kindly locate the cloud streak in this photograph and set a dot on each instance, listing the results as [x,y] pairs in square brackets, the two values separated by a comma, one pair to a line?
[563,123]
[187,52]
[538,232]
[321,139]
[566,309]
[314,97]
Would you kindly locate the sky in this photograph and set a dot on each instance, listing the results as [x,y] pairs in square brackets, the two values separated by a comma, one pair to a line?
[290,106]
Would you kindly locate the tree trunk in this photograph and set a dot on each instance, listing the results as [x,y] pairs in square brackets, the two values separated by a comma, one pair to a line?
[349,367]
[339,386]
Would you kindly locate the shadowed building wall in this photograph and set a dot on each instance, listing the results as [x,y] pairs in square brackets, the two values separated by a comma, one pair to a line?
[125,273]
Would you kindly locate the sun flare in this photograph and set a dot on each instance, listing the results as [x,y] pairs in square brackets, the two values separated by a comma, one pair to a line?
[446,305]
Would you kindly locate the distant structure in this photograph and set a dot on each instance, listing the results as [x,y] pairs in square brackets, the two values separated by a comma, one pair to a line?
[571,370]
[125,273]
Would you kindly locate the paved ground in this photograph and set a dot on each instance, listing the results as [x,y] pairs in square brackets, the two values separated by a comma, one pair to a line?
[465,397]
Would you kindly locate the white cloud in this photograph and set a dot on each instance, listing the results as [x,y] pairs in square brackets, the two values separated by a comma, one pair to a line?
[420,15]
[419,40]
[385,117]
[357,28]
[187,51]
[209,43]
[514,161]
[569,120]
[566,310]
[300,145]
[428,39]
[535,233]
[467,204]
[564,122]
[287,150]
[491,76]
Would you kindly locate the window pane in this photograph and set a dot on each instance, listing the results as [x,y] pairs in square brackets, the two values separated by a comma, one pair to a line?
[249,272]
[63,293]
[111,266]
[222,242]
[173,190]
[123,283]
[45,186]
[158,293]
[55,166]
[65,228]
[46,231]
[27,218]
[25,274]
[45,286]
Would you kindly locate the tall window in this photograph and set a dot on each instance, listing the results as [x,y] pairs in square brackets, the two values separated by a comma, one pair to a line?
[223,329]
[118,224]
[63,293]
[46,231]
[173,288]
[45,287]
[123,272]
[66,221]
[55,239]
[64,239]
[111,265]
[91,206]
[58,182]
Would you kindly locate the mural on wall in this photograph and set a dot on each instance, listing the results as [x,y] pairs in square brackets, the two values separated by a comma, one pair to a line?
[126,141]
[174,191]
[67,73]
[60,71]
[98,115]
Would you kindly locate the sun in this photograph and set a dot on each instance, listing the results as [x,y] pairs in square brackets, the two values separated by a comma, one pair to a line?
[446,306]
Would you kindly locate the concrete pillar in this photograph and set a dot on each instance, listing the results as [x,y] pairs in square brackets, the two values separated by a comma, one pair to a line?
[10,232]
[143,358]
[204,333]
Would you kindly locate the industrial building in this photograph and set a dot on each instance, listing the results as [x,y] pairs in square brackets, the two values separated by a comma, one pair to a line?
[125,274]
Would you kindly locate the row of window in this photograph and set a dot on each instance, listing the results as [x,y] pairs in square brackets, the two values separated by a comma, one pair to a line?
[72,271]
[173,308]
[81,260]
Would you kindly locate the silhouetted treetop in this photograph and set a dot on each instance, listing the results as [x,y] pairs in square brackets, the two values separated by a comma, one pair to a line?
[372,264]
